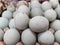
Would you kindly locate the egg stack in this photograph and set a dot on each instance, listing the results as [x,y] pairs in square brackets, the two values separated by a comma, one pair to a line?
[31,23]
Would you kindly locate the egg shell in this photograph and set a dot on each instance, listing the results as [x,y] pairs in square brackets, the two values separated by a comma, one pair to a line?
[50,15]
[7,14]
[12,24]
[57,37]
[46,38]
[55,25]
[21,21]
[35,4]
[11,8]
[3,22]
[36,12]
[42,22]
[1,34]
[46,5]
[58,11]
[11,37]
[54,3]
[23,9]
[28,41]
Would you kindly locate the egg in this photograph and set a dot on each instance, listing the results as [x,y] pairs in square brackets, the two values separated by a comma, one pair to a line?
[35,4]
[19,43]
[50,15]
[3,22]
[57,37]
[2,43]
[54,3]
[46,38]
[12,24]
[58,11]
[1,34]
[46,5]
[23,9]
[55,25]
[30,40]
[11,8]
[36,12]
[39,24]
[7,14]
[11,37]
[21,21]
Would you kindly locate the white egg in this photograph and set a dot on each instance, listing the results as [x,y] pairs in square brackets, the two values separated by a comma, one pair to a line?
[3,22]
[11,37]
[7,14]
[12,24]
[35,4]
[30,40]
[57,36]
[46,38]
[46,5]
[39,24]
[55,25]
[21,21]
[1,34]
[23,9]
[50,15]
[58,11]
[11,8]
[54,3]
[36,12]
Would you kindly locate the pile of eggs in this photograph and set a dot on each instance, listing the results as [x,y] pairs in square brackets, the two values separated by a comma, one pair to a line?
[31,23]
